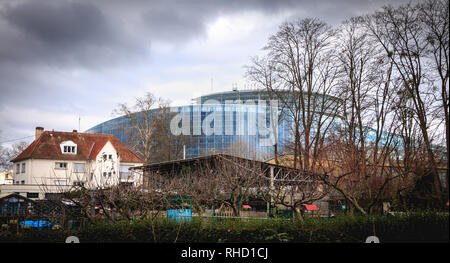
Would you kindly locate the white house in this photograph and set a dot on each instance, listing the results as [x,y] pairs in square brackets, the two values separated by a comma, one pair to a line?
[57,161]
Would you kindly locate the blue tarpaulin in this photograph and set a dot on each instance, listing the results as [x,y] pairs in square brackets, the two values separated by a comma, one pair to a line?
[35,224]
[180,214]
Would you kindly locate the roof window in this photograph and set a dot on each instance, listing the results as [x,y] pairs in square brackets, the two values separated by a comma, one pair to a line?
[68,147]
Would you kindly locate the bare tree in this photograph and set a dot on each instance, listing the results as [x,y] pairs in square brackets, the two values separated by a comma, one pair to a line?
[433,15]
[7,154]
[400,33]
[3,158]
[292,188]
[164,145]
[362,149]
[262,71]
[298,59]
[141,116]
[235,179]
[100,198]
[149,133]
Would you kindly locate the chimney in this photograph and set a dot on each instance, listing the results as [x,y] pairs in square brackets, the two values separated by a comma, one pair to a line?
[38,133]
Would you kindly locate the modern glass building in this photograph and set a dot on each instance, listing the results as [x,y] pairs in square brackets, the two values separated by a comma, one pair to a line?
[247,121]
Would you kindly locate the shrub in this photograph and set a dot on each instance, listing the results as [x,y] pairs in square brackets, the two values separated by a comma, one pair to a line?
[416,227]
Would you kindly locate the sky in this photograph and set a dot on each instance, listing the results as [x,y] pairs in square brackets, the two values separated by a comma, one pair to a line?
[67,64]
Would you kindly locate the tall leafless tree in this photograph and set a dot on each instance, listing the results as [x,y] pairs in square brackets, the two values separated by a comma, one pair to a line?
[401,34]
[149,133]
[433,15]
[263,72]
[298,64]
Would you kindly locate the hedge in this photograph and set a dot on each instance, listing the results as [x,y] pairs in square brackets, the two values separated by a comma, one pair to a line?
[413,228]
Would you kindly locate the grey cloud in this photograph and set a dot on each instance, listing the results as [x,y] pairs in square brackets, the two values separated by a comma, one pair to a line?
[98,34]
[108,32]
[63,33]
[173,25]
[92,35]
[43,41]
[177,21]
[60,22]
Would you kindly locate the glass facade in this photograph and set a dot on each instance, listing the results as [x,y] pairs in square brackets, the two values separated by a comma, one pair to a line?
[226,122]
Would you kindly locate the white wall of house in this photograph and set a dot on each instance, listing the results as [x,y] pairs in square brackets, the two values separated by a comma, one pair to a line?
[43,171]
[110,170]
[129,176]
[105,168]
[21,172]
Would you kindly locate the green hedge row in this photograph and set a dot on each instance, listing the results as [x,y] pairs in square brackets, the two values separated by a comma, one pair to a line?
[416,228]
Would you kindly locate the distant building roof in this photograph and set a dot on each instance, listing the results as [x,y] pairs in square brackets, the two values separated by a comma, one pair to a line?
[47,146]
[310,207]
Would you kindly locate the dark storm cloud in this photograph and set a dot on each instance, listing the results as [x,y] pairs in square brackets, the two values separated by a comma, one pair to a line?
[61,33]
[60,23]
[42,42]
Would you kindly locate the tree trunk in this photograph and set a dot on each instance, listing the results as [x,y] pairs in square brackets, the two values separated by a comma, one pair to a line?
[297,215]
[235,210]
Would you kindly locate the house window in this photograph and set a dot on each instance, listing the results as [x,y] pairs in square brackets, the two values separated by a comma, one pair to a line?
[79,167]
[18,168]
[68,147]
[107,157]
[60,182]
[104,174]
[22,182]
[60,166]
[23,167]
[32,195]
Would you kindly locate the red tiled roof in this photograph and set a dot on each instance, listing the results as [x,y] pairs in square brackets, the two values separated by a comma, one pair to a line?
[47,146]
